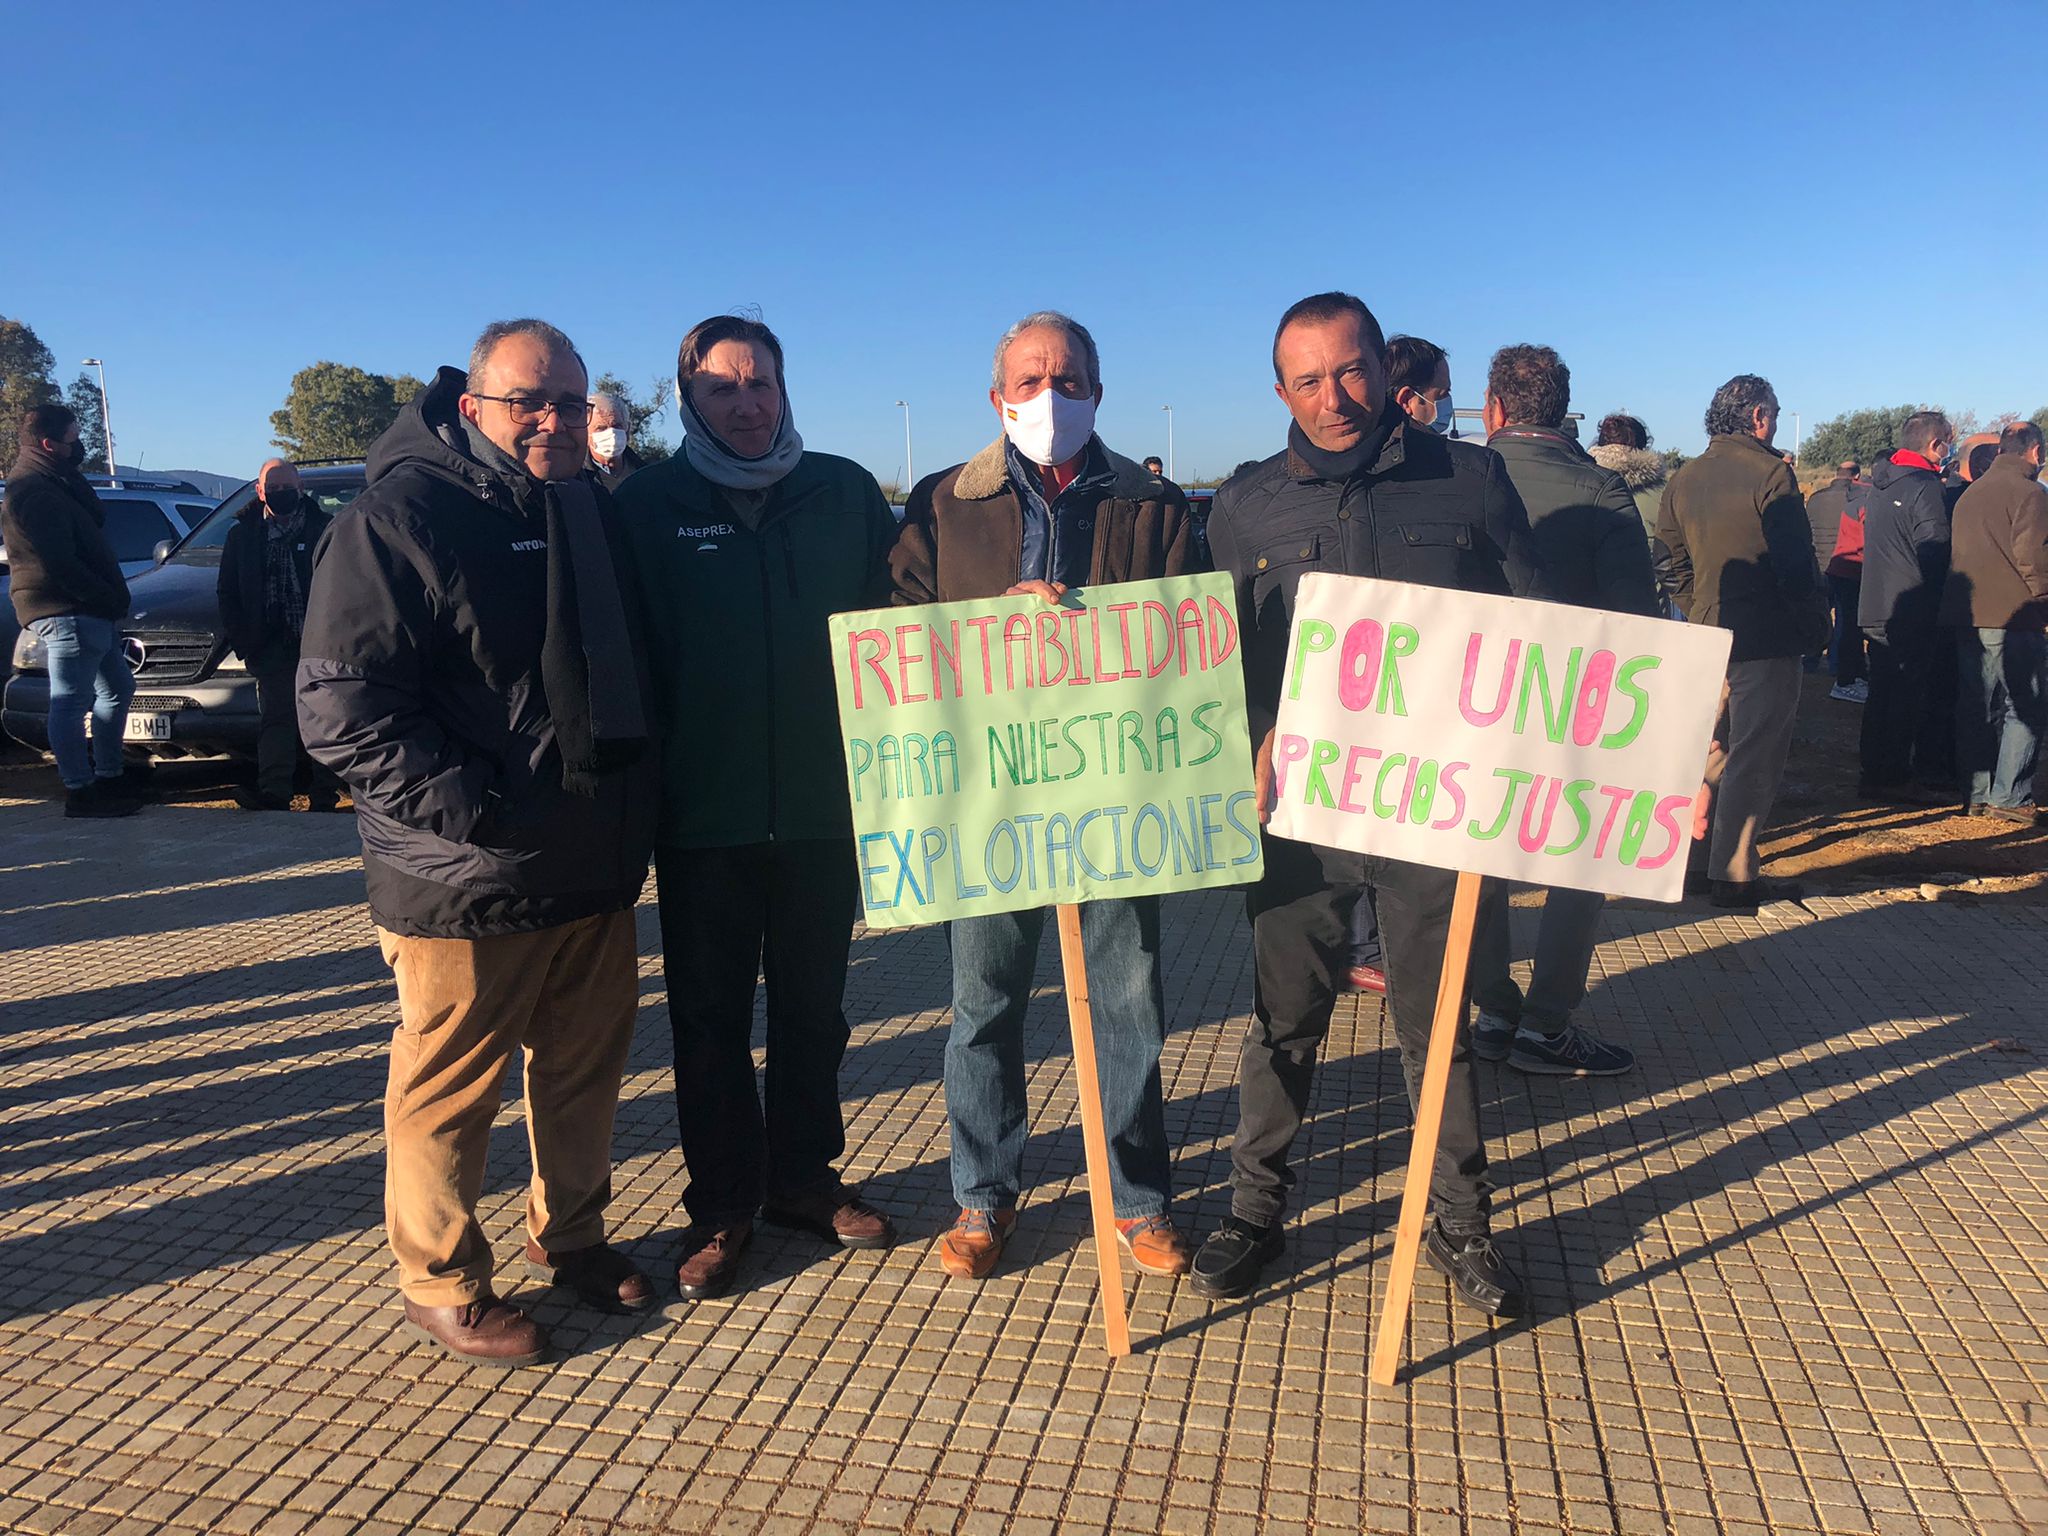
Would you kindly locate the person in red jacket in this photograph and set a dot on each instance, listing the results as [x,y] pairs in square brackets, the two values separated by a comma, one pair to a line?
[1845,585]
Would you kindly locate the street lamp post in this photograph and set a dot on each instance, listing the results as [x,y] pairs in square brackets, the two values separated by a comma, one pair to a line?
[1169,440]
[106,419]
[909,473]
[1795,434]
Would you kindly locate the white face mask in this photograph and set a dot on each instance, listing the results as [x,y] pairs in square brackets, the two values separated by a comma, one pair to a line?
[608,443]
[1049,428]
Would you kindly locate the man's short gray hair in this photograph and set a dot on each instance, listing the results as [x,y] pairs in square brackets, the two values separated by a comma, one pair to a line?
[547,335]
[616,403]
[1055,320]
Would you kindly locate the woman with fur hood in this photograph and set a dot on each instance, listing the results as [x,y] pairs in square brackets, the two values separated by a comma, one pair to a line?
[1623,445]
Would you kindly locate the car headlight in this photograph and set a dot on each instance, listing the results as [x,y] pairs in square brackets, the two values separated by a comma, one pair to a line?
[28,651]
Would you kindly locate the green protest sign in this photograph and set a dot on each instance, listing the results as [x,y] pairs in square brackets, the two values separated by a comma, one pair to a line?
[1004,753]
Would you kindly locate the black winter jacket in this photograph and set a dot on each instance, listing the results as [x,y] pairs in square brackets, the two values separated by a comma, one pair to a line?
[1430,510]
[59,560]
[1905,547]
[420,685]
[1583,524]
[242,587]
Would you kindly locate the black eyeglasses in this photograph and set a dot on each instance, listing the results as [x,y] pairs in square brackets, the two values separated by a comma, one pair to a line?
[527,409]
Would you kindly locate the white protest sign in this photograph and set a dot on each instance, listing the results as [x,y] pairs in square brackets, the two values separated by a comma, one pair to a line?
[1525,740]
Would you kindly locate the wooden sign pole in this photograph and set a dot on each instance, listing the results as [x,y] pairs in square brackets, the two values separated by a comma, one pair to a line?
[1429,1119]
[1116,1328]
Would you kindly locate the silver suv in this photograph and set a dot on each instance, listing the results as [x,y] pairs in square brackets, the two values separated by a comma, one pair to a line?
[144,518]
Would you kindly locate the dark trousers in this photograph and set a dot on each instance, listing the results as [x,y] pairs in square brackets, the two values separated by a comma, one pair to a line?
[784,912]
[281,762]
[1902,741]
[1845,649]
[1565,937]
[1301,942]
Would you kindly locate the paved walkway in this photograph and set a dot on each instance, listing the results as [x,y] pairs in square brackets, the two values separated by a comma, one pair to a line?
[1791,1276]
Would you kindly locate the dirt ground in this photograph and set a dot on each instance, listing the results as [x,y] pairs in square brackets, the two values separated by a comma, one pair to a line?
[1834,842]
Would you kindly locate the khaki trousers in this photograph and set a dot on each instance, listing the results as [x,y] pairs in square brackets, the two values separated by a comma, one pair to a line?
[565,997]
[1759,704]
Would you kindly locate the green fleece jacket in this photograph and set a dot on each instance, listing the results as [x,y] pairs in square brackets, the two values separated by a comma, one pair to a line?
[736,597]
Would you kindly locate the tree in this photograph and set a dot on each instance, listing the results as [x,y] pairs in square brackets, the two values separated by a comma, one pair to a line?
[2040,418]
[1866,435]
[84,399]
[641,439]
[25,380]
[335,412]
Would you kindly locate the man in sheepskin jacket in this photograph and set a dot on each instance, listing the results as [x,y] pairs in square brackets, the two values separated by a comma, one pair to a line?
[1045,507]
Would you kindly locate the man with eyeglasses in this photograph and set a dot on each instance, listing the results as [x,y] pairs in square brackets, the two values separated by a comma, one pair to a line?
[470,667]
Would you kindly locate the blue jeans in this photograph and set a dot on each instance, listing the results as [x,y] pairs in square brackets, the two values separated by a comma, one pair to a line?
[2000,712]
[86,667]
[993,961]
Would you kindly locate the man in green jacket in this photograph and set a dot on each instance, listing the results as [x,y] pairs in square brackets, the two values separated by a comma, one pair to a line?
[746,544]
[1588,539]
[1742,558]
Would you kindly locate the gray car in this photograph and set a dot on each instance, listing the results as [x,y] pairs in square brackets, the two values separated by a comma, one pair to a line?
[192,697]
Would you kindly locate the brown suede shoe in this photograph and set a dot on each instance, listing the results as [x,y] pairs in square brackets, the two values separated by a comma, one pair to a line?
[970,1248]
[486,1331]
[834,1212]
[600,1275]
[1155,1245]
[711,1257]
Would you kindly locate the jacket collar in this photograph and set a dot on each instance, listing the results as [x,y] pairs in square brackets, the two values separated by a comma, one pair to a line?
[1546,438]
[1392,455]
[987,475]
[2010,464]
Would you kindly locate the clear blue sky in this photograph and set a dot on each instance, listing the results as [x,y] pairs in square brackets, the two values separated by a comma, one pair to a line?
[231,193]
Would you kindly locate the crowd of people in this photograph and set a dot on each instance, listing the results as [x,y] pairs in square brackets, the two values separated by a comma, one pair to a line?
[537,667]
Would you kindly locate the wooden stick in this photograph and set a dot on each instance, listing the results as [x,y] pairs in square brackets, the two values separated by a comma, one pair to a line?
[1116,1328]
[1429,1120]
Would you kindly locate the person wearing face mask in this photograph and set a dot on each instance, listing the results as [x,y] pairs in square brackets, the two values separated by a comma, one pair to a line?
[1045,507]
[1419,379]
[471,668]
[68,591]
[1359,490]
[266,570]
[746,543]
[611,429]
[1908,740]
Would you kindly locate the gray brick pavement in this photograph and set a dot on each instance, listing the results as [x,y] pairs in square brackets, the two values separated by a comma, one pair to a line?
[1789,1277]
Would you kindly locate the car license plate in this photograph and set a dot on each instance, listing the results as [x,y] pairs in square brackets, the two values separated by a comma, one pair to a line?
[149,728]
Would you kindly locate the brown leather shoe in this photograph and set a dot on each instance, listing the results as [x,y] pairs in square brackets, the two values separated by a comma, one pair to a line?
[486,1331]
[969,1249]
[1155,1245]
[711,1257]
[834,1212]
[600,1275]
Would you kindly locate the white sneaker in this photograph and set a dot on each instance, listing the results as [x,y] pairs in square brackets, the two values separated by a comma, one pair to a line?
[1857,692]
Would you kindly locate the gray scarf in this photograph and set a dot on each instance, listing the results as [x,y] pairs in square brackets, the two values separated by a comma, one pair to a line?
[721,466]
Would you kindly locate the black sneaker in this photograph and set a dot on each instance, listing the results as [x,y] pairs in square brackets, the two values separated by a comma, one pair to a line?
[1229,1262]
[1748,895]
[1475,1269]
[256,800]
[1492,1036]
[1571,1052]
[101,798]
